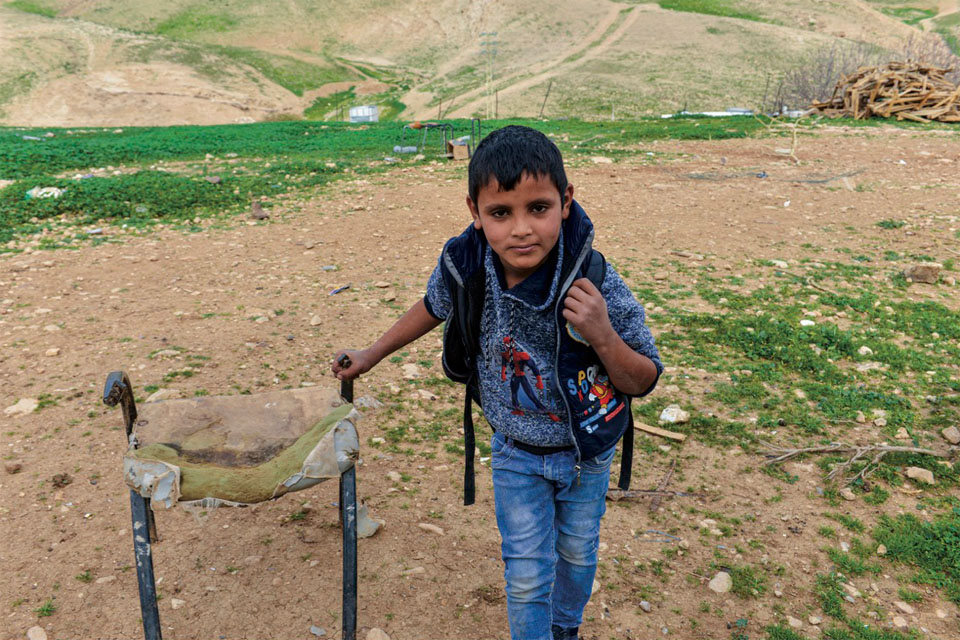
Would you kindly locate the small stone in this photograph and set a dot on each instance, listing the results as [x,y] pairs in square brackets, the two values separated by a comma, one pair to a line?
[381,284]
[318,631]
[413,572]
[880,422]
[800,394]
[778,593]
[881,550]
[921,475]
[377,634]
[22,408]
[252,560]
[850,589]
[814,620]
[106,579]
[646,606]
[903,606]
[673,414]
[902,433]
[426,394]
[36,633]
[865,351]
[861,419]
[661,275]
[940,613]
[601,160]
[899,622]
[807,323]
[367,525]
[176,603]
[12,466]
[410,371]
[54,351]
[847,494]
[780,264]
[316,321]
[928,272]
[378,440]
[394,476]
[721,583]
[432,528]
[951,435]
[794,622]
[367,402]
[52,327]
[844,546]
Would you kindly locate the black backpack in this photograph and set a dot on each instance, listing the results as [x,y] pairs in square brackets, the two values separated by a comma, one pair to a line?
[461,344]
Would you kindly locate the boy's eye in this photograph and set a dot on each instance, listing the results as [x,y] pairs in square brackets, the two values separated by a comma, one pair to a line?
[539,208]
[499,213]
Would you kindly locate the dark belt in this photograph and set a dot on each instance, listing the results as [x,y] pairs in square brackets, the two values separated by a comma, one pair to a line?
[538,451]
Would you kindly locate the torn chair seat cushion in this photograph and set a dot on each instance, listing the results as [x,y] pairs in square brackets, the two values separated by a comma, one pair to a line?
[240,449]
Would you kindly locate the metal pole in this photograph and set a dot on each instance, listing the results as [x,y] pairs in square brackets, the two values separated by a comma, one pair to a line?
[145,579]
[348,506]
[549,86]
[348,515]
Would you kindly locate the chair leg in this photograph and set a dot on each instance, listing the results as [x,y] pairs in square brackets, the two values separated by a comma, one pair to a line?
[146,582]
[348,510]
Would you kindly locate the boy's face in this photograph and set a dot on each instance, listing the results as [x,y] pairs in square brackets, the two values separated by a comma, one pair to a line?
[522,225]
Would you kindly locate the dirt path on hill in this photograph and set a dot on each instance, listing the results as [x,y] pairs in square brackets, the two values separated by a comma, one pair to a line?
[416,100]
[166,303]
[558,66]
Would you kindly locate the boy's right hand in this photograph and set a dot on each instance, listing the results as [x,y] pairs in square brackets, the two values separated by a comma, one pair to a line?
[357,363]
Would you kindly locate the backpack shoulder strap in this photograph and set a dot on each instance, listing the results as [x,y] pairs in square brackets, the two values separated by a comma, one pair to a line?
[595,268]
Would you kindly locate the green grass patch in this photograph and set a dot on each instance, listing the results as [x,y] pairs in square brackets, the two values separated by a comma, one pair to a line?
[194,20]
[324,105]
[932,548]
[722,8]
[909,15]
[849,522]
[747,582]
[890,223]
[33,6]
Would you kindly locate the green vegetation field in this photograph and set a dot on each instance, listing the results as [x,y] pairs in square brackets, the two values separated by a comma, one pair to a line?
[138,176]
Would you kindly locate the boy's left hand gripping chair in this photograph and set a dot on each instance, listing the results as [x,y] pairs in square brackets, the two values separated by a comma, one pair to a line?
[236,450]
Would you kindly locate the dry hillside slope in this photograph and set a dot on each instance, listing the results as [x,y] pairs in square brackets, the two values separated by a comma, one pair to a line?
[120,63]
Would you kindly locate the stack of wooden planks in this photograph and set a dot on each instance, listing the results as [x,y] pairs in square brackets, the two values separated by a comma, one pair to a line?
[901,90]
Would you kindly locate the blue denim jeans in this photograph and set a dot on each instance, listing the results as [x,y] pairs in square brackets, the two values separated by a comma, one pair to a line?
[550,526]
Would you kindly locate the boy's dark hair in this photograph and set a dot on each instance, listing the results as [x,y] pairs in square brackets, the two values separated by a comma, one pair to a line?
[507,153]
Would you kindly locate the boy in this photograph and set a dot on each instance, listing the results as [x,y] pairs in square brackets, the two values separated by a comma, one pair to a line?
[551,355]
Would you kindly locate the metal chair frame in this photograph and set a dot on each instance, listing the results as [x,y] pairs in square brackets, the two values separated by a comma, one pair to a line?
[117,390]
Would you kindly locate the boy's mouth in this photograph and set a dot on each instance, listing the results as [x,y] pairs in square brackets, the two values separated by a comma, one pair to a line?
[523,248]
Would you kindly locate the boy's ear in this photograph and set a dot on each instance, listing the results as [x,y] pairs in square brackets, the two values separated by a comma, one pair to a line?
[474,212]
[567,200]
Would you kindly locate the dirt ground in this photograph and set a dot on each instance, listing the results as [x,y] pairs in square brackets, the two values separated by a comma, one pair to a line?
[249,307]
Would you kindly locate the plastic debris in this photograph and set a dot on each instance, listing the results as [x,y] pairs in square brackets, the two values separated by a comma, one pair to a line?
[45,192]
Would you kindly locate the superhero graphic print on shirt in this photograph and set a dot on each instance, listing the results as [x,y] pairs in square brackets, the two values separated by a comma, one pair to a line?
[594,396]
[519,364]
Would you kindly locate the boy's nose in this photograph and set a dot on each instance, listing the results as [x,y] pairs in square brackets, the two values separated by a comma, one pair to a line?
[521,226]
